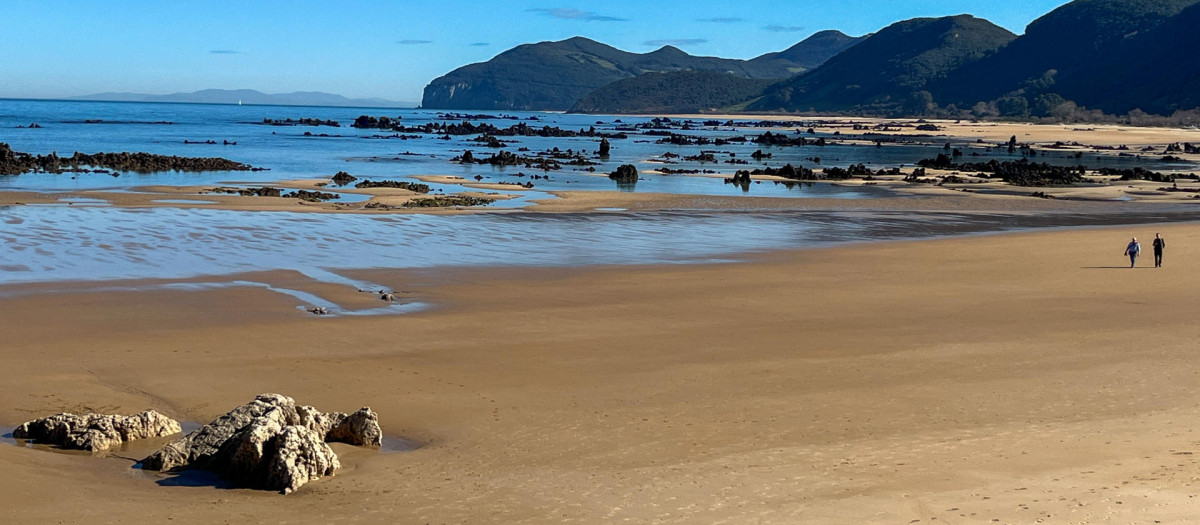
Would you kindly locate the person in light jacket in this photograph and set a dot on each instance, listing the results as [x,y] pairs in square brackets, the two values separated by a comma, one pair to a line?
[1133,250]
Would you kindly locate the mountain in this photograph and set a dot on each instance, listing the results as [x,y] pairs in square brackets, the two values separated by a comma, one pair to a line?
[1075,45]
[699,91]
[810,52]
[554,75]
[889,70]
[250,96]
[675,92]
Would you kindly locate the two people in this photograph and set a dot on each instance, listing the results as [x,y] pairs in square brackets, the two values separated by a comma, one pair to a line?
[1134,248]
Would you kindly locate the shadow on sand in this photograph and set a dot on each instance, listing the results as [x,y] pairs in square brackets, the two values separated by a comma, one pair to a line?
[189,478]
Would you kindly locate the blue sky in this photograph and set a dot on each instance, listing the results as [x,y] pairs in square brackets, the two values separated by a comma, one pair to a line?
[391,49]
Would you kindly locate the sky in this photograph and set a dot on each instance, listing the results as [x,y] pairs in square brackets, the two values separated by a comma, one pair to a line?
[392,49]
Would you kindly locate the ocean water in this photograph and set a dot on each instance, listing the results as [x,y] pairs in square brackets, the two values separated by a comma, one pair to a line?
[88,241]
[288,154]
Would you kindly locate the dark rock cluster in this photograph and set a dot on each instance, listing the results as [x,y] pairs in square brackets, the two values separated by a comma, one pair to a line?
[15,163]
[520,129]
[268,191]
[1016,172]
[779,139]
[447,201]
[342,178]
[369,122]
[626,173]
[787,171]
[301,122]
[508,158]
[1138,174]
[403,185]
[677,139]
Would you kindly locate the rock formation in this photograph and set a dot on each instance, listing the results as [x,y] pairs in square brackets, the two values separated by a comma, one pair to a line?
[625,173]
[96,431]
[269,443]
[342,178]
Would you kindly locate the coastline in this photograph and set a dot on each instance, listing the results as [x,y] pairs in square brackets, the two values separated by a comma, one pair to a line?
[1014,376]
[1090,140]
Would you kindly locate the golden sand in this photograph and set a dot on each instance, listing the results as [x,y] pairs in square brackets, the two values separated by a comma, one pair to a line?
[1005,378]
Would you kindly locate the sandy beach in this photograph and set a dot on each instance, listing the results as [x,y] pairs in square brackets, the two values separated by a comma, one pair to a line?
[1007,378]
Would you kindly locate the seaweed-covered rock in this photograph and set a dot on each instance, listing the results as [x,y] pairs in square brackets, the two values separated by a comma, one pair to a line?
[96,431]
[447,201]
[403,185]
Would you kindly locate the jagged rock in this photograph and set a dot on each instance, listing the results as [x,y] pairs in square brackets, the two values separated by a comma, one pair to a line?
[269,443]
[360,428]
[197,448]
[270,455]
[299,457]
[96,431]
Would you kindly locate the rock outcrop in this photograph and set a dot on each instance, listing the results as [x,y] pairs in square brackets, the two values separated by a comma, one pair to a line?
[96,431]
[625,173]
[269,443]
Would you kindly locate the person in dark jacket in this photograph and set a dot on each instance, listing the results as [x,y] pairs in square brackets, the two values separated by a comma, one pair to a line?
[1159,245]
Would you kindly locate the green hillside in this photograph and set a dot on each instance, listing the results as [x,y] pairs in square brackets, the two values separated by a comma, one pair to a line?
[1154,70]
[554,75]
[1074,44]
[675,92]
[889,71]
[808,53]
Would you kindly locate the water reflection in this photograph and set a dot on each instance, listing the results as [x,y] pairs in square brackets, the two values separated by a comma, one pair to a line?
[99,243]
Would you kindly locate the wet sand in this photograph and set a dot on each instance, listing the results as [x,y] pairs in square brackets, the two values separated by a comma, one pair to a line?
[1010,377]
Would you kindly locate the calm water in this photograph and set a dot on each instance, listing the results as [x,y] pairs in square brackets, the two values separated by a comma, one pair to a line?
[291,155]
[90,242]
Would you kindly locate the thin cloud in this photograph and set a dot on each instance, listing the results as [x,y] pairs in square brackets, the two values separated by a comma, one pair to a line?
[414,42]
[225,52]
[722,20]
[675,42]
[783,29]
[570,13]
[480,44]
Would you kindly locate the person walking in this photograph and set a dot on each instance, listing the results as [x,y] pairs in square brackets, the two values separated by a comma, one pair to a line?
[1133,250]
[1159,245]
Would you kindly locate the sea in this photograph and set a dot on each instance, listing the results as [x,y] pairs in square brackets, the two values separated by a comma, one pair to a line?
[82,240]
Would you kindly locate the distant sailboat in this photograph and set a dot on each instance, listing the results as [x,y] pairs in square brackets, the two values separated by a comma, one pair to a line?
[239,101]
